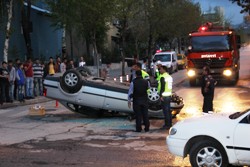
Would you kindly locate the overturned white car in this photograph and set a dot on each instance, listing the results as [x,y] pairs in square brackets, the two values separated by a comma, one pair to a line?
[78,89]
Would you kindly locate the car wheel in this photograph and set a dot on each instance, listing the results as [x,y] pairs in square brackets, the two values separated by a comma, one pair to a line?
[84,71]
[208,153]
[71,81]
[176,70]
[153,95]
[170,70]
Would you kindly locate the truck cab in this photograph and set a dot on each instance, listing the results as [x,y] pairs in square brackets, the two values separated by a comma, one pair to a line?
[216,47]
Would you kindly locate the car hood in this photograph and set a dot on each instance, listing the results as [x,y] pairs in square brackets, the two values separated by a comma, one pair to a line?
[208,124]
[207,118]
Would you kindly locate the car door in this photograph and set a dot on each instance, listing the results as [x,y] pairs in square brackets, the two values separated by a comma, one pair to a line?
[242,140]
[117,101]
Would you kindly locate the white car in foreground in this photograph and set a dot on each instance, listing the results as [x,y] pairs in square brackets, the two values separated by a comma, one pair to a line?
[219,139]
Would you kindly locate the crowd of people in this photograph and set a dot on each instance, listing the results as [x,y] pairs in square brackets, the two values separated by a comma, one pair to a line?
[24,80]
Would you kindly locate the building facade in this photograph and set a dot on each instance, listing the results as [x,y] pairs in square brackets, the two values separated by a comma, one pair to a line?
[46,41]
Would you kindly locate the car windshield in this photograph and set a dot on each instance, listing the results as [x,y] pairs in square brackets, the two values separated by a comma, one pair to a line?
[163,57]
[210,43]
[237,114]
[179,57]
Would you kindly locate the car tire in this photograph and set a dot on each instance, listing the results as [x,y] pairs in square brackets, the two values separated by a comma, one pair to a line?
[176,70]
[84,71]
[71,81]
[209,153]
[171,71]
[153,95]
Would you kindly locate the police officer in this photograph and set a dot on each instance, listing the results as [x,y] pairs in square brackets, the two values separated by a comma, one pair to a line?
[207,89]
[157,72]
[165,91]
[138,91]
[135,67]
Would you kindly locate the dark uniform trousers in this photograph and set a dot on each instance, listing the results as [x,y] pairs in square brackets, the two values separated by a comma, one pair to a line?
[140,103]
[208,103]
[140,107]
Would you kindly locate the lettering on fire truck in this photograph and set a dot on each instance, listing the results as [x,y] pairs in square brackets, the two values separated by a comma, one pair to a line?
[208,56]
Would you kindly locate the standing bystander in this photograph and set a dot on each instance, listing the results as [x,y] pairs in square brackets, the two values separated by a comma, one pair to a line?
[82,62]
[51,67]
[138,91]
[63,65]
[28,69]
[15,84]
[70,65]
[12,78]
[57,64]
[4,83]
[38,78]
[20,78]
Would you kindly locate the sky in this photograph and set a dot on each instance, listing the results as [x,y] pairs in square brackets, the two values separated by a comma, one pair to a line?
[232,10]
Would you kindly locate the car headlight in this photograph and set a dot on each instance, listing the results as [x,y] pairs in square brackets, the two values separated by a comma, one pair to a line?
[191,73]
[172,131]
[227,73]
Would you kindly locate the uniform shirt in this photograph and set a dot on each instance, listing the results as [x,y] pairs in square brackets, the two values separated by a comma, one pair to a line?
[207,85]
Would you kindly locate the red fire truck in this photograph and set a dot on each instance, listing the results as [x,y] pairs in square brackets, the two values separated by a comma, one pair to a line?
[216,47]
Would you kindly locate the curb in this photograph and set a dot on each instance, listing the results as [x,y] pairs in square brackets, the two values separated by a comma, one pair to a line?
[37,100]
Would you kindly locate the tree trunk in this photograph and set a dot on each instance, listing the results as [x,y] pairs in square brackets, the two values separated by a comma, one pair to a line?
[26,25]
[96,55]
[150,39]
[123,56]
[71,44]
[7,38]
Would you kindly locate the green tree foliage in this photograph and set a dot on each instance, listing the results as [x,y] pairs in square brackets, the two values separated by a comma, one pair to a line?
[244,4]
[142,23]
[87,18]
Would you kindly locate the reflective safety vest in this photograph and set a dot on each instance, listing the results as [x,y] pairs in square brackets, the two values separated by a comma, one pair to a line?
[168,84]
[157,75]
[144,74]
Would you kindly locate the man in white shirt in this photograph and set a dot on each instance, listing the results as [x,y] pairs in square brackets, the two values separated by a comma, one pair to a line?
[63,65]
[82,62]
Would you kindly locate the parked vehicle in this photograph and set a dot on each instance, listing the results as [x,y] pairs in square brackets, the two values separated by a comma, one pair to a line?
[168,59]
[78,89]
[217,139]
[217,47]
[181,61]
